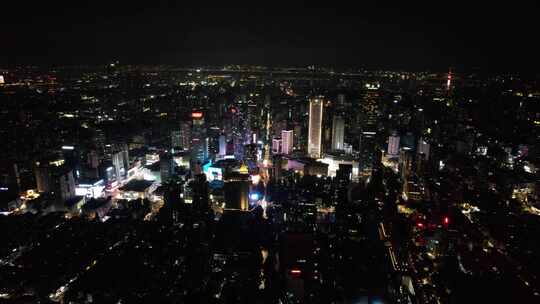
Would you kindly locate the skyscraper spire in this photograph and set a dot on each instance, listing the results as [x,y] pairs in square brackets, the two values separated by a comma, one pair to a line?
[449,79]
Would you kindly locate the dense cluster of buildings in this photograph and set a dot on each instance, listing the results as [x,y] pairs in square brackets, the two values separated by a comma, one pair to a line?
[287,184]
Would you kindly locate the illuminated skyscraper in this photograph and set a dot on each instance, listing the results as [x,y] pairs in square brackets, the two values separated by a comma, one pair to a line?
[55,178]
[276,145]
[449,80]
[120,160]
[199,141]
[184,140]
[369,113]
[393,145]
[222,146]
[212,134]
[176,139]
[286,142]
[315,127]
[338,133]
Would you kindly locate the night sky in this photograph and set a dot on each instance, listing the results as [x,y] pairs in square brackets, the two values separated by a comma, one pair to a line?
[413,35]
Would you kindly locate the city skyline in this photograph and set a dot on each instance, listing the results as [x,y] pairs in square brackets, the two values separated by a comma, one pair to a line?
[282,181]
[269,153]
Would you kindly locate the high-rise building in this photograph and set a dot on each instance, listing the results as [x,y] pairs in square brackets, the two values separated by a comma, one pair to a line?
[92,159]
[176,139]
[276,145]
[185,136]
[449,80]
[9,178]
[407,141]
[278,126]
[238,145]
[55,178]
[315,127]
[120,160]
[287,142]
[347,148]
[277,171]
[213,134]
[100,140]
[369,113]
[327,135]
[341,101]
[368,151]
[250,153]
[405,163]
[222,146]
[423,148]
[338,133]
[344,172]
[199,193]
[71,155]
[236,190]
[199,141]
[166,167]
[107,173]
[393,145]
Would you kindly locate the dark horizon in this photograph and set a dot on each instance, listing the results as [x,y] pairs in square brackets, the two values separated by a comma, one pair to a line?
[411,37]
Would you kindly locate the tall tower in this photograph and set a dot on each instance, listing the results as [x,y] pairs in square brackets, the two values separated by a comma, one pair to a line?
[120,160]
[199,141]
[176,139]
[449,80]
[222,145]
[185,136]
[338,133]
[369,113]
[286,142]
[315,127]
[393,145]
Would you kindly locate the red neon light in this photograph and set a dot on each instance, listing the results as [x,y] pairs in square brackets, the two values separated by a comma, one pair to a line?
[446,220]
[197,115]
[420,225]
[296,271]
